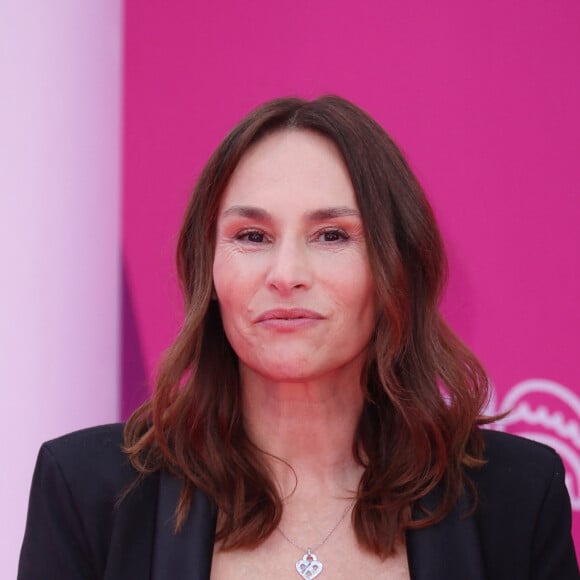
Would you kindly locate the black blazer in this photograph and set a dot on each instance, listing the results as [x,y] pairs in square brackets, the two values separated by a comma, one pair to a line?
[75,530]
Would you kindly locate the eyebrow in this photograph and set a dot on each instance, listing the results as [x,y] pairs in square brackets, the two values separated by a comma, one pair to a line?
[333,212]
[257,213]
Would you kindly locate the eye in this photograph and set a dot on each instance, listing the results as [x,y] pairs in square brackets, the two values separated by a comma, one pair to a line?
[252,236]
[332,235]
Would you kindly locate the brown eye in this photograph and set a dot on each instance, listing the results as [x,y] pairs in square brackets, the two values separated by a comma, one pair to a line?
[333,235]
[253,236]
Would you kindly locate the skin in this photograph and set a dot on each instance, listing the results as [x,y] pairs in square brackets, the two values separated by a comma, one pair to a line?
[290,236]
[292,278]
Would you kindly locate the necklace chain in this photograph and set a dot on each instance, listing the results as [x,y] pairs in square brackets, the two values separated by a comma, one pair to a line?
[310,549]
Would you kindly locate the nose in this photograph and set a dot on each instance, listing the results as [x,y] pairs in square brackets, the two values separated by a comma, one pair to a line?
[289,268]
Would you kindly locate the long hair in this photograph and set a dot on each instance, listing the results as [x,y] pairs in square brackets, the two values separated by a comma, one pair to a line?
[424,390]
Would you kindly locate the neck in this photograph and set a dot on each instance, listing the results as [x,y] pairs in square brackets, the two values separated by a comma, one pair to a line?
[309,426]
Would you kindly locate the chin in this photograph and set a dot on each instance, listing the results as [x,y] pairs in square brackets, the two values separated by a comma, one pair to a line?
[289,373]
[286,369]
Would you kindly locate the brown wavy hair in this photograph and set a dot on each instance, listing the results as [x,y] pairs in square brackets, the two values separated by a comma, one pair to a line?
[425,390]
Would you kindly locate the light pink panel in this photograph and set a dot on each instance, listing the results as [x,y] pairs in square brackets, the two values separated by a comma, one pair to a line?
[484,100]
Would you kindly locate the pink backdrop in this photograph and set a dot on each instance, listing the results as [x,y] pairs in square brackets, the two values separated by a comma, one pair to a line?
[484,100]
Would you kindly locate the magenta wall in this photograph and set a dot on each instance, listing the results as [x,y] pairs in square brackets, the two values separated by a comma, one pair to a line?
[484,100]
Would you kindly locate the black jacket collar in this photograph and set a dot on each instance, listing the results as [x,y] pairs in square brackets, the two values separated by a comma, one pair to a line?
[188,554]
[449,550]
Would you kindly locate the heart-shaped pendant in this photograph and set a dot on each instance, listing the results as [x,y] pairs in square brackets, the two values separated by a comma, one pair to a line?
[309,567]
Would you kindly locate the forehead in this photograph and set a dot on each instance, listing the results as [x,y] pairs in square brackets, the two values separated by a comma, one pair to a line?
[291,163]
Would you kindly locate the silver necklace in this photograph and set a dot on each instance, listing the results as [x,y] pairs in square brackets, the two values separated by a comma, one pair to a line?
[309,566]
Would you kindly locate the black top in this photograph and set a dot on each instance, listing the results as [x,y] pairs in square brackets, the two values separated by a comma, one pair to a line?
[76,528]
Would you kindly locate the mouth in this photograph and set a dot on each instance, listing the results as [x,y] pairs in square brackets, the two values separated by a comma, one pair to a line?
[289,314]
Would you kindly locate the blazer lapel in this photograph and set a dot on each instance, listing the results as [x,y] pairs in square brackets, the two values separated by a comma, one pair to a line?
[449,550]
[133,531]
[186,555]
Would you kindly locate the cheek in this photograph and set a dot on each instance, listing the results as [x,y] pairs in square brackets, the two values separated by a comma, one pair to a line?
[233,289]
[354,289]
[224,277]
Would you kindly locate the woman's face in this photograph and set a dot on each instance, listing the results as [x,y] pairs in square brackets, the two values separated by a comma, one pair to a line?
[291,270]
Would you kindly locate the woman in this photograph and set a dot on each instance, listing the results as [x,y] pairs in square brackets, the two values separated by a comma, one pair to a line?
[315,415]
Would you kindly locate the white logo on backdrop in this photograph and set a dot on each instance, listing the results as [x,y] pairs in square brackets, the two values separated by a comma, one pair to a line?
[549,413]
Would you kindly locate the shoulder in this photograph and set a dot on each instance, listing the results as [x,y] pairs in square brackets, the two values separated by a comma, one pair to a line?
[505,452]
[516,470]
[92,457]
[87,469]
[102,438]
[75,505]
[523,508]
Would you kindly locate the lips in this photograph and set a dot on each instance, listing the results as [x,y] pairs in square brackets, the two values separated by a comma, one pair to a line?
[289,314]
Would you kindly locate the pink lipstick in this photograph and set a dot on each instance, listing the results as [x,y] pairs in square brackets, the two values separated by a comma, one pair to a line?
[288,319]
